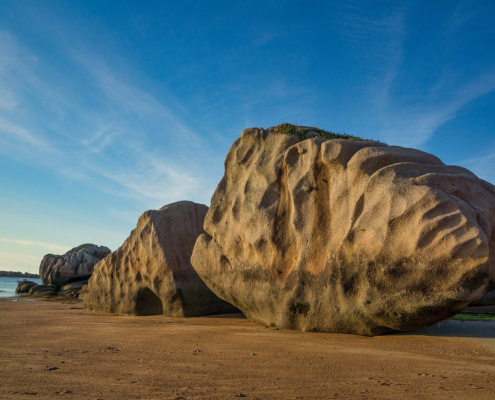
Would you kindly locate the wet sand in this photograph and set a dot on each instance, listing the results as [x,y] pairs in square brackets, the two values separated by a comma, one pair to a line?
[103,356]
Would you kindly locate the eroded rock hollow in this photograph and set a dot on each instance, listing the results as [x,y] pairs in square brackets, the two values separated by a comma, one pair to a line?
[345,236]
[151,272]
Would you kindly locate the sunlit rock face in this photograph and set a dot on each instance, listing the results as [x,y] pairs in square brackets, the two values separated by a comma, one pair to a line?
[77,263]
[345,236]
[151,272]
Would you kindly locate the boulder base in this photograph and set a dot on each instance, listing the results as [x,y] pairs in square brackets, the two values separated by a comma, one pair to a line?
[345,236]
[151,272]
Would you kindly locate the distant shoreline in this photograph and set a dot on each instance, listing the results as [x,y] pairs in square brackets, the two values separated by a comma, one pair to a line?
[17,274]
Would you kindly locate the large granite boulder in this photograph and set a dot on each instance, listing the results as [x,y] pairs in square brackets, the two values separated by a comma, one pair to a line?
[77,263]
[151,272]
[345,236]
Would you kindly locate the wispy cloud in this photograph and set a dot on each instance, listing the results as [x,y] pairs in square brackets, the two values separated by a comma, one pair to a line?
[30,243]
[152,172]
[158,182]
[20,134]
[266,36]
[483,166]
[411,118]
[367,34]
[463,13]
[102,137]
[18,262]
[16,77]
[7,101]
[115,131]
[129,97]
[413,124]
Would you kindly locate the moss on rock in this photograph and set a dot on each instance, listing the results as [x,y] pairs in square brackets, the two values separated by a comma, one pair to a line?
[305,132]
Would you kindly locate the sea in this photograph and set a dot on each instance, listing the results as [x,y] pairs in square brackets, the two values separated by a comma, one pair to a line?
[8,285]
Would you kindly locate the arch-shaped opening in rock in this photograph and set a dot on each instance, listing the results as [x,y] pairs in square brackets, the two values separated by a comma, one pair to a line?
[148,303]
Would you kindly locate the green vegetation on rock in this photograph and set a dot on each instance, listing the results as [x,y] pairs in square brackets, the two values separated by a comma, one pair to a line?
[467,316]
[302,133]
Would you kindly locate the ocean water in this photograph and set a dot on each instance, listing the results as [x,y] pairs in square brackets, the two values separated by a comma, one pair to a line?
[8,285]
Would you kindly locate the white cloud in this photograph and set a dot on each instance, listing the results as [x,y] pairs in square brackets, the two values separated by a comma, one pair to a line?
[18,262]
[30,243]
[160,182]
[18,133]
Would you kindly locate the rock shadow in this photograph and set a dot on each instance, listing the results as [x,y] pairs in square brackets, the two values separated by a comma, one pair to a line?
[148,303]
[461,329]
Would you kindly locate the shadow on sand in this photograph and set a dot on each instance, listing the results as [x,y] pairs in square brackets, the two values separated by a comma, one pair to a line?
[452,328]
[227,316]
[464,325]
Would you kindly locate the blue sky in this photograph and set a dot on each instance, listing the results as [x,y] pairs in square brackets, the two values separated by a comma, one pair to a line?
[111,108]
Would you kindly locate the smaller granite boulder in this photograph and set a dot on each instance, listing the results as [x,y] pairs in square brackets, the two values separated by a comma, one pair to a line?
[151,273]
[43,290]
[77,262]
[24,286]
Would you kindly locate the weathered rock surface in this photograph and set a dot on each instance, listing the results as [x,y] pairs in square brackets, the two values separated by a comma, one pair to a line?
[73,289]
[342,236]
[151,272]
[82,292]
[77,262]
[43,290]
[24,286]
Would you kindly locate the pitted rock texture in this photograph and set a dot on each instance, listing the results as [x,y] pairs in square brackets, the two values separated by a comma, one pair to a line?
[151,272]
[77,263]
[341,236]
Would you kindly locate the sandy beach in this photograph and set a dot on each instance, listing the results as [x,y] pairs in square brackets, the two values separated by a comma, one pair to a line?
[51,350]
